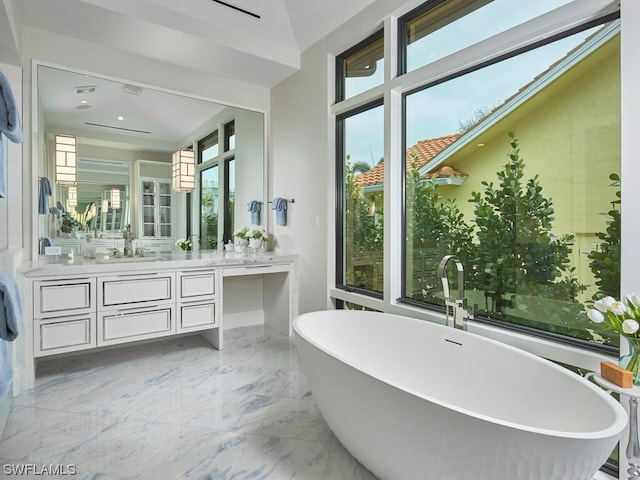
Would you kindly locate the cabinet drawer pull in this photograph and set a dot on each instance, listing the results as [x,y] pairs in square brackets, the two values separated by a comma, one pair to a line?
[146,307]
[138,274]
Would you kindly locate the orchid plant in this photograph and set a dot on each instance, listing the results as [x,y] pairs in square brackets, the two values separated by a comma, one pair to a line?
[242,234]
[255,233]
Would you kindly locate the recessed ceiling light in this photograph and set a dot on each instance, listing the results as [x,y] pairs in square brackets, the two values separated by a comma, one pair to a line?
[120,118]
[84,101]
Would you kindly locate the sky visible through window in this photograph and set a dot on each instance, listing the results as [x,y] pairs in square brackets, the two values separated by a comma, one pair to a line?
[441,110]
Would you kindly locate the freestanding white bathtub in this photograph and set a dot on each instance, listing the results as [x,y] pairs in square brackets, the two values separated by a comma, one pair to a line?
[413,400]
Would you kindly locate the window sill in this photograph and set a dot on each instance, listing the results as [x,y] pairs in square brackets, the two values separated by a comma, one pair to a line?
[542,347]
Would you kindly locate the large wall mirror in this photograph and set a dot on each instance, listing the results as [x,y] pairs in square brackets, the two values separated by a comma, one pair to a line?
[125,136]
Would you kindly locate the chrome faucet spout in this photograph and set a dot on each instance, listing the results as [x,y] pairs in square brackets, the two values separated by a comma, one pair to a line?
[456,307]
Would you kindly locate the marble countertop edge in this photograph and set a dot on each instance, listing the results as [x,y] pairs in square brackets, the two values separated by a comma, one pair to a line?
[78,265]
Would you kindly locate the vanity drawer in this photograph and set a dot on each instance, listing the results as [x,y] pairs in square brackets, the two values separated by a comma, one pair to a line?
[196,316]
[135,324]
[55,297]
[255,269]
[64,334]
[140,288]
[197,284]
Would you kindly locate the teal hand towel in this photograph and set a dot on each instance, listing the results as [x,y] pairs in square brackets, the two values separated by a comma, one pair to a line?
[10,319]
[279,205]
[10,126]
[254,207]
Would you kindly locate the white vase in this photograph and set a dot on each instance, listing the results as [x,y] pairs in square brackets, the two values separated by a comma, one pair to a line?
[255,243]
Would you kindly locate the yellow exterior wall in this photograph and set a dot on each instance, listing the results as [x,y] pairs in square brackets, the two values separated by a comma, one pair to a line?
[569,135]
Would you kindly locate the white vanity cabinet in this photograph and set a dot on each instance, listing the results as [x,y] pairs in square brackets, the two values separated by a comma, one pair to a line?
[106,305]
[135,306]
[64,315]
[197,300]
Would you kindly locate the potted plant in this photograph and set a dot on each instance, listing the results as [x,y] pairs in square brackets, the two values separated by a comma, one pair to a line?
[256,237]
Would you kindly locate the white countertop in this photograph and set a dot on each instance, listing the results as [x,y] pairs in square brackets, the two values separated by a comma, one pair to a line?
[55,266]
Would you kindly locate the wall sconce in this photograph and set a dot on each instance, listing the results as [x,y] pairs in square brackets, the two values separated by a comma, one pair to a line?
[105,205]
[73,196]
[183,165]
[66,166]
[115,198]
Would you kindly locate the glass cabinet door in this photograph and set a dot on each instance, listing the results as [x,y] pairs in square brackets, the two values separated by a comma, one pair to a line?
[165,209]
[148,208]
[156,202]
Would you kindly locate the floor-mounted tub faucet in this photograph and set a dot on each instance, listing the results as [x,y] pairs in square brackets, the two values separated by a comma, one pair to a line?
[457,307]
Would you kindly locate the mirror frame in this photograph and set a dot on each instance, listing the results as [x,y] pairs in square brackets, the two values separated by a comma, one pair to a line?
[36,147]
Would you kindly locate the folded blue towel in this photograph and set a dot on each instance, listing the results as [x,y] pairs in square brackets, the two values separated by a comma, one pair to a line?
[10,125]
[280,206]
[44,191]
[44,243]
[10,322]
[6,369]
[11,307]
[254,207]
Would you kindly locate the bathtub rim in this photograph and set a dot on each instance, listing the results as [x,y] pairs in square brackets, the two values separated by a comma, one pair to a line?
[616,428]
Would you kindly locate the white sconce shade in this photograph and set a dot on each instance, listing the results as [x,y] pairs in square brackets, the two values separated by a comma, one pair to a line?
[105,205]
[66,167]
[115,198]
[73,196]
[183,170]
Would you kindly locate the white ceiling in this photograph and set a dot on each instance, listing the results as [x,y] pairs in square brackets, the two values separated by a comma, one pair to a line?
[199,34]
[108,113]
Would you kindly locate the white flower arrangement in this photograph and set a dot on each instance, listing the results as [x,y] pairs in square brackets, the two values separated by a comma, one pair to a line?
[254,233]
[184,244]
[258,234]
[619,315]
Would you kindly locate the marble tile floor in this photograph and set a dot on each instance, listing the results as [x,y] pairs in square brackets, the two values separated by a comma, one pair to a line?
[177,409]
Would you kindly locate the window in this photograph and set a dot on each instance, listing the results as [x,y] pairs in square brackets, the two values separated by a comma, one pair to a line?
[229,199]
[229,136]
[217,186]
[509,168]
[209,207]
[208,147]
[440,28]
[361,67]
[361,182]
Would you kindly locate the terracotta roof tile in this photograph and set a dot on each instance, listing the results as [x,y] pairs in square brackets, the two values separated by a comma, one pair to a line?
[425,149]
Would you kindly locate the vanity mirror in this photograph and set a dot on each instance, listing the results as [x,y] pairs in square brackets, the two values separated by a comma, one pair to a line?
[126,135]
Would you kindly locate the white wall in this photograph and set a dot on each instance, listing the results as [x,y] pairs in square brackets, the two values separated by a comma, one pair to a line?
[299,171]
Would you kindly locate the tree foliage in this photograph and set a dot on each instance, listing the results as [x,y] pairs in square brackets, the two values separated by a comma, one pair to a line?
[605,261]
[436,225]
[516,251]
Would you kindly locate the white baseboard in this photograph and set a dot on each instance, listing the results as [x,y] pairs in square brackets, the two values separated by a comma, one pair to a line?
[243,319]
[603,476]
